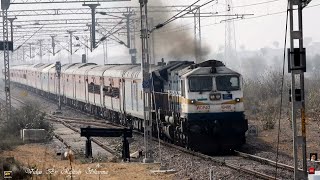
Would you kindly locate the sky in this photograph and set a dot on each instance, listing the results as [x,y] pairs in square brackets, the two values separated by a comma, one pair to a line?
[251,33]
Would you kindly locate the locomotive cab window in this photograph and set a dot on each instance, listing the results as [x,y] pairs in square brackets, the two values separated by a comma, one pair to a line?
[228,83]
[200,83]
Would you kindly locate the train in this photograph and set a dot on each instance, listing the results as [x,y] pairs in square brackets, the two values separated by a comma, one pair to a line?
[195,105]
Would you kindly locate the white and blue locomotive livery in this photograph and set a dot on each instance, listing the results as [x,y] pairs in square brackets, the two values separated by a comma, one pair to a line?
[199,106]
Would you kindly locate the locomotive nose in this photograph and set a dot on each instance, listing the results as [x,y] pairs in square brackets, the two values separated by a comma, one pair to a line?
[216,127]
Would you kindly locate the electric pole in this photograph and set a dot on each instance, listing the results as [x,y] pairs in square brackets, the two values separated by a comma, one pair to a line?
[105,52]
[58,71]
[146,81]
[40,44]
[93,24]
[297,67]
[230,41]
[4,7]
[151,41]
[132,52]
[90,30]
[70,47]
[11,27]
[23,54]
[30,51]
[197,35]
[53,44]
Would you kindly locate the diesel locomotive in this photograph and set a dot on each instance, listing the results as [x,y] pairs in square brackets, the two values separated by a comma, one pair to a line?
[198,106]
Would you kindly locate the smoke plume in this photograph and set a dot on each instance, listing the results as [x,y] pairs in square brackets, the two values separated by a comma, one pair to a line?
[176,42]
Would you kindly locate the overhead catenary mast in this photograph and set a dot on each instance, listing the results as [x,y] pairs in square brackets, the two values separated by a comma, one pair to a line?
[4,7]
[297,67]
[146,81]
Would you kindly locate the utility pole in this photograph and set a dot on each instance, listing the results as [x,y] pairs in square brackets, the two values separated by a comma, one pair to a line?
[58,71]
[53,44]
[132,51]
[23,54]
[70,47]
[11,27]
[197,34]
[151,41]
[146,81]
[30,48]
[4,7]
[90,30]
[40,44]
[105,52]
[17,56]
[93,24]
[297,67]
[230,46]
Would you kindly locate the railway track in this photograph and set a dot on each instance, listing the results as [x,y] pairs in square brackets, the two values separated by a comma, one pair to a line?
[232,162]
[228,161]
[67,123]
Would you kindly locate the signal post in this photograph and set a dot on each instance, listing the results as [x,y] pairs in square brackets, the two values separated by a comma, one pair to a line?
[297,67]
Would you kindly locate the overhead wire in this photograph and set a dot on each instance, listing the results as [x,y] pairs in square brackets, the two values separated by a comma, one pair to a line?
[29,38]
[255,4]
[246,5]
[281,91]
[217,23]
[175,17]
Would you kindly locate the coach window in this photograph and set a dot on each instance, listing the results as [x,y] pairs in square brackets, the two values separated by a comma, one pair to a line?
[115,92]
[105,90]
[97,89]
[91,87]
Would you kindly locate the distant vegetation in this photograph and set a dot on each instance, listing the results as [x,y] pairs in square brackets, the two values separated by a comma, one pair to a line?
[262,97]
[27,117]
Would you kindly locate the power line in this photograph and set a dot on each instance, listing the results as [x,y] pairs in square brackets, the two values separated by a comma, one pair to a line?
[281,91]
[255,4]
[29,37]
[217,23]
[175,17]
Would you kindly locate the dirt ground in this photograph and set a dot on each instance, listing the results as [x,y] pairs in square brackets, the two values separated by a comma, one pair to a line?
[53,168]
[267,139]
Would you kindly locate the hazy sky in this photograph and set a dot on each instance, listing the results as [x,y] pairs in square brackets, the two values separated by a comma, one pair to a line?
[252,33]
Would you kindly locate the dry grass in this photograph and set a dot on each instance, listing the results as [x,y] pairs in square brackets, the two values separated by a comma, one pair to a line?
[43,158]
[263,98]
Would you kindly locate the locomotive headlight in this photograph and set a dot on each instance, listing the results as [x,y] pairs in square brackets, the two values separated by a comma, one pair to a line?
[218,96]
[237,99]
[215,97]
[212,96]
[193,101]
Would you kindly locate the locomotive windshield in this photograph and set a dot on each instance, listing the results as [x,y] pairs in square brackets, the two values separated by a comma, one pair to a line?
[228,83]
[200,83]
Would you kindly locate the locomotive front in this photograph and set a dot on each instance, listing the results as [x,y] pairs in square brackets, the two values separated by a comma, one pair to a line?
[212,106]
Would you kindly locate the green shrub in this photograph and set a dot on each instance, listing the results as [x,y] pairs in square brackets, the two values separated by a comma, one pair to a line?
[26,117]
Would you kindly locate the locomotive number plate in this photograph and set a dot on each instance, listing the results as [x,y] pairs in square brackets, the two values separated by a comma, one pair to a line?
[203,107]
[227,108]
